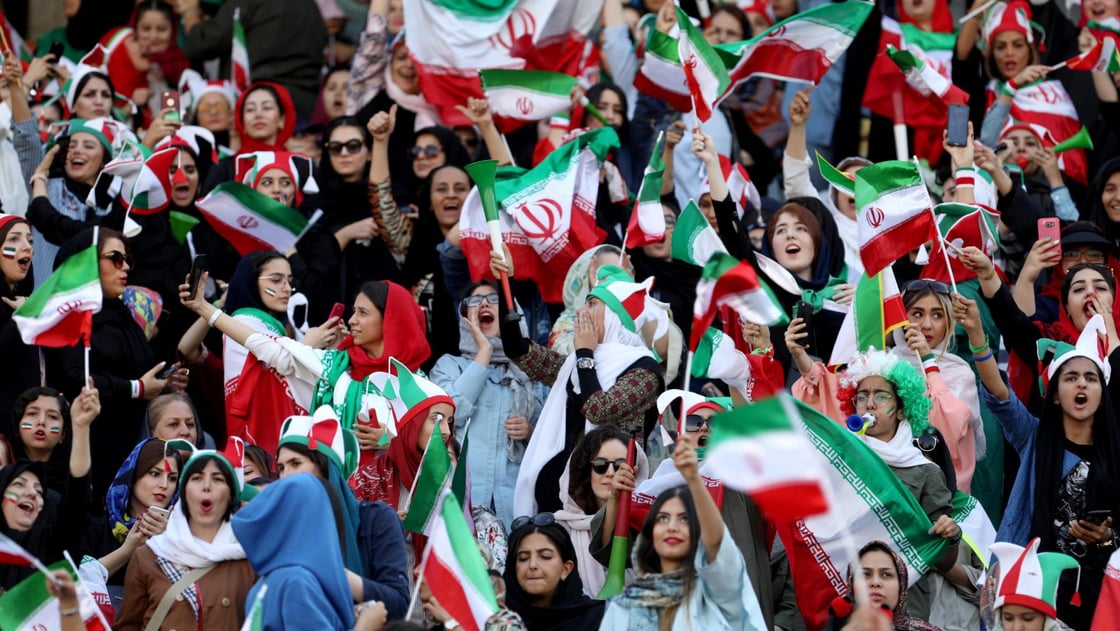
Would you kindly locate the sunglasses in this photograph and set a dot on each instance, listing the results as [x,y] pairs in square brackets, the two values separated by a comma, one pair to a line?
[427,151]
[1092,256]
[118,259]
[926,442]
[600,465]
[336,148]
[695,422]
[474,301]
[923,284]
[540,520]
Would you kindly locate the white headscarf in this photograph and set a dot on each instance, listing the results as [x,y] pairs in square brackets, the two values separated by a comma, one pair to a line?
[178,545]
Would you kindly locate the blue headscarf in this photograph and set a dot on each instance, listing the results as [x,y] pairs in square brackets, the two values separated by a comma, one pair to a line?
[119,496]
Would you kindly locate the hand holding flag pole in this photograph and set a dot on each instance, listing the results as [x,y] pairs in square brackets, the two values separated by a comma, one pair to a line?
[483,173]
[616,572]
[977,12]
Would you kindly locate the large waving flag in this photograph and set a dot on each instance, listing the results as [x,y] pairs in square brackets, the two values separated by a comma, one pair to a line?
[876,311]
[893,212]
[726,281]
[251,221]
[869,502]
[761,450]
[239,54]
[661,74]
[704,71]
[28,606]
[647,220]
[145,180]
[453,568]
[450,40]
[15,40]
[1107,615]
[1049,105]
[432,478]
[548,213]
[60,312]
[695,241]
[518,97]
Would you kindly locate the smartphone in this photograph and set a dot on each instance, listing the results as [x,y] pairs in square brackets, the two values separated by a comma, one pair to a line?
[162,511]
[804,311]
[56,49]
[1097,517]
[337,310]
[198,266]
[58,165]
[167,371]
[957,130]
[1050,227]
[170,99]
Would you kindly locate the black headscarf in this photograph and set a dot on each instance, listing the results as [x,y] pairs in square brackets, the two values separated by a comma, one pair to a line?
[39,539]
[570,609]
[243,285]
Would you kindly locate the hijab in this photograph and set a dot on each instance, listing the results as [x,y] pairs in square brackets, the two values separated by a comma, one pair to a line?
[39,539]
[901,618]
[244,286]
[287,110]
[570,608]
[405,334]
[145,455]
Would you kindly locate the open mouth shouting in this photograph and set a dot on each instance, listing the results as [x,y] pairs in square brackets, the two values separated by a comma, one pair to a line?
[485,317]
[206,505]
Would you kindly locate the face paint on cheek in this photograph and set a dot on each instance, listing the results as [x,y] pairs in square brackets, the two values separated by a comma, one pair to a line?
[270,291]
[55,429]
[11,496]
[9,251]
[25,425]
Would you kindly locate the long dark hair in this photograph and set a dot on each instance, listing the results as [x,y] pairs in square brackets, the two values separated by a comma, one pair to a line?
[377,291]
[579,469]
[646,557]
[25,399]
[1097,213]
[1101,491]
[593,94]
[1067,282]
[196,465]
[327,174]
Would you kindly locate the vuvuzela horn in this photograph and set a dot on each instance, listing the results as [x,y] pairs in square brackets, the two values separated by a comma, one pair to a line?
[483,173]
[1080,140]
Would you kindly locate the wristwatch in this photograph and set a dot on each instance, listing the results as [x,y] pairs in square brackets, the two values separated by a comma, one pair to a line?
[585,362]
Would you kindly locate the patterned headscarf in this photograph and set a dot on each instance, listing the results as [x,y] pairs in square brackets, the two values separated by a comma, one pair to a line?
[143,457]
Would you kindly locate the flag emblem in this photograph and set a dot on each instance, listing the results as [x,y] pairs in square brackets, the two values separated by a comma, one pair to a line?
[247,222]
[875,216]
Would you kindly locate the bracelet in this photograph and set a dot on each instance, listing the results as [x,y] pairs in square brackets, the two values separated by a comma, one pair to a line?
[73,611]
[214,317]
[965,177]
[1009,88]
[982,358]
[955,539]
[137,387]
[976,350]
[37,177]
[929,363]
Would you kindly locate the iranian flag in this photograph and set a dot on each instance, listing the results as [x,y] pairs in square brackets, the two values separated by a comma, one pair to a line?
[661,74]
[960,226]
[1048,105]
[695,241]
[518,97]
[893,212]
[647,220]
[717,358]
[432,478]
[1102,57]
[802,47]
[255,620]
[239,54]
[918,65]
[1107,615]
[60,312]
[251,221]
[547,215]
[450,40]
[876,311]
[11,553]
[16,42]
[28,606]
[704,70]
[868,502]
[835,177]
[145,180]
[728,282]
[453,568]
[766,440]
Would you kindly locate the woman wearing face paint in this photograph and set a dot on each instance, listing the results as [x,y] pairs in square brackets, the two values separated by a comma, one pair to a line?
[41,433]
[38,519]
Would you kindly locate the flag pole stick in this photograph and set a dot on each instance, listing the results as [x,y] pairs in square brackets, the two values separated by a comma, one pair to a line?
[687,383]
[505,142]
[901,147]
[315,216]
[978,11]
[4,38]
[594,111]
[1058,66]
[86,356]
[419,577]
[940,239]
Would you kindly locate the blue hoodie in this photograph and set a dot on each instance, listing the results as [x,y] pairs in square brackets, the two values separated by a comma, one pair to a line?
[293,546]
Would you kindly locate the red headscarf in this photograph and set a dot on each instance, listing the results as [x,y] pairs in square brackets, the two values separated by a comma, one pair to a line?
[406,341]
[126,77]
[940,22]
[287,110]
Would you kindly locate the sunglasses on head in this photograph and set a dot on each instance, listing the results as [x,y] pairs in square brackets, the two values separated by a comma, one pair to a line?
[923,284]
[540,520]
[336,148]
[474,301]
[926,442]
[601,465]
[695,422]
[118,259]
[428,151]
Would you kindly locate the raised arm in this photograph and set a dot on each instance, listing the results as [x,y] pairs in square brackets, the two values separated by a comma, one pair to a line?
[477,112]
[966,313]
[711,524]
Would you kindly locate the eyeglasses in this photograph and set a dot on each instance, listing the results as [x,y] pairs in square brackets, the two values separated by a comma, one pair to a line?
[427,151]
[875,399]
[351,146]
[540,519]
[926,442]
[279,279]
[118,259]
[215,108]
[923,284]
[1091,256]
[474,301]
[600,465]
[695,422]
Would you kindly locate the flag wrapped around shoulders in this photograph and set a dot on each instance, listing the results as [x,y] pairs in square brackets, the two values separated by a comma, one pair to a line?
[60,312]
[728,281]
[868,502]
[877,310]
[893,212]
[454,570]
[251,221]
[518,97]
[761,450]
[547,213]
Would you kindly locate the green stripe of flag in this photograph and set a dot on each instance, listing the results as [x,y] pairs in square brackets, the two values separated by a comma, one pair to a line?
[884,178]
[432,478]
[465,545]
[478,10]
[835,176]
[79,271]
[541,81]
[263,206]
